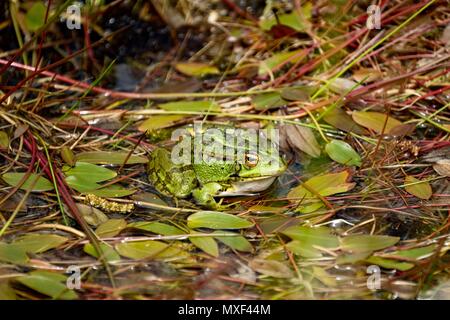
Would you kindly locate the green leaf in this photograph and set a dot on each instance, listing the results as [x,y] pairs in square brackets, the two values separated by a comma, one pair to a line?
[109,157]
[367,243]
[42,184]
[110,228]
[113,191]
[271,268]
[11,253]
[89,171]
[234,241]
[157,122]
[270,100]
[375,121]
[418,188]
[280,59]
[35,16]
[93,216]
[390,264]
[4,139]
[206,244]
[415,253]
[303,139]
[339,119]
[37,243]
[307,240]
[195,106]
[157,227]
[343,86]
[325,185]
[217,220]
[48,283]
[6,292]
[343,153]
[196,69]
[293,20]
[147,249]
[81,184]
[109,253]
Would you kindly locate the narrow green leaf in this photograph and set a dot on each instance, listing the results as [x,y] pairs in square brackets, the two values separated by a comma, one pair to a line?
[390,264]
[110,228]
[266,101]
[418,188]
[89,171]
[48,283]
[11,253]
[147,250]
[206,244]
[109,157]
[157,227]
[157,122]
[35,16]
[234,241]
[13,179]
[217,220]
[375,121]
[109,253]
[367,243]
[196,69]
[271,268]
[37,243]
[343,153]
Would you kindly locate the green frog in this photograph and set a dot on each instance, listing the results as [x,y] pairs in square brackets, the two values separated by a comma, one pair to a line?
[216,162]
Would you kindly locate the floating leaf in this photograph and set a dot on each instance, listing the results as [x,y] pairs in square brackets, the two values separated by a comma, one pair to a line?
[89,171]
[157,122]
[4,140]
[375,121]
[390,264]
[111,228]
[271,268]
[270,100]
[234,241]
[147,249]
[48,283]
[294,20]
[68,156]
[343,153]
[93,216]
[157,227]
[11,253]
[37,243]
[206,244]
[196,69]
[35,16]
[217,220]
[343,85]
[367,243]
[81,184]
[415,253]
[303,139]
[109,253]
[278,60]
[348,258]
[339,119]
[325,185]
[41,184]
[113,191]
[418,188]
[307,240]
[194,106]
[109,157]
[296,93]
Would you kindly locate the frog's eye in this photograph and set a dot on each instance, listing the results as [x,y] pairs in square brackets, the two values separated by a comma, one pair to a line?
[251,159]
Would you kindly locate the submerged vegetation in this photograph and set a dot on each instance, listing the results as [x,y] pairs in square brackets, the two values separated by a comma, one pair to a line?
[93,206]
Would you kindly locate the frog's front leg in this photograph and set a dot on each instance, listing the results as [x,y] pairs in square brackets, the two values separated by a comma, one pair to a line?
[204,195]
